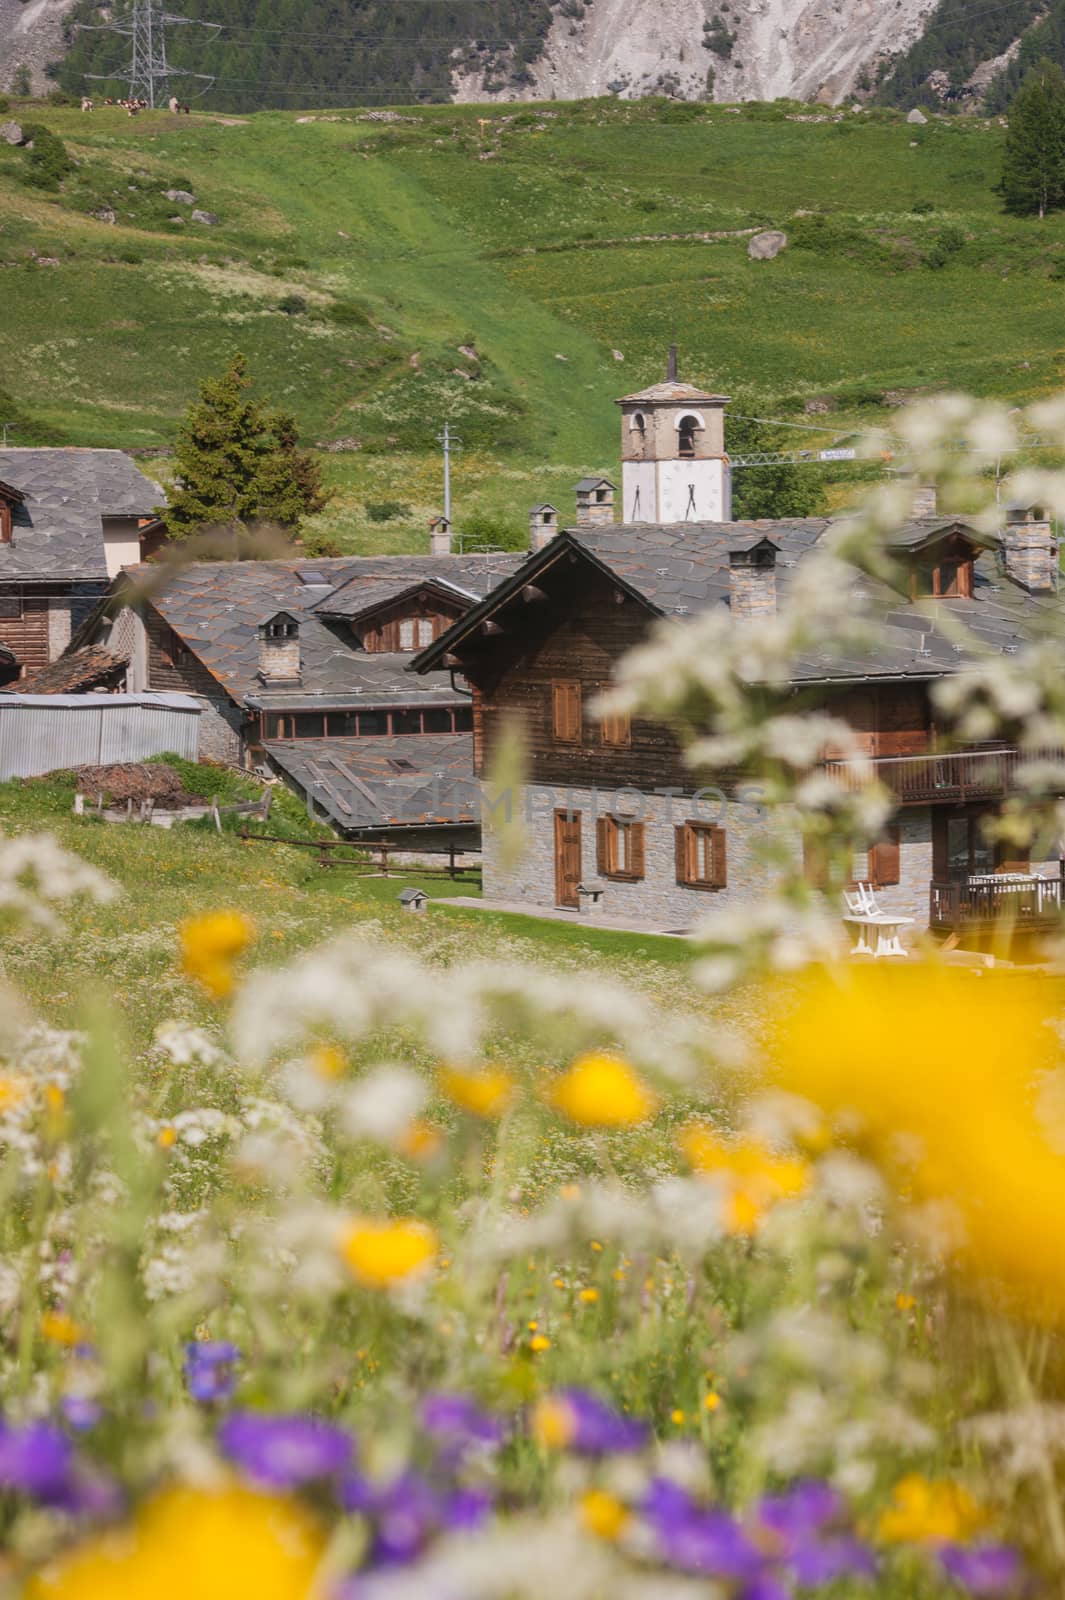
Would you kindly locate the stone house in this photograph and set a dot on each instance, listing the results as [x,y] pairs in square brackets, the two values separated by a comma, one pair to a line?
[70,520]
[610,805]
[299,667]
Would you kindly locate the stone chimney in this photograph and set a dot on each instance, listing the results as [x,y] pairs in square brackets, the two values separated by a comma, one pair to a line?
[279,649]
[439,537]
[595,501]
[752,580]
[1029,549]
[924,499]
[543,525]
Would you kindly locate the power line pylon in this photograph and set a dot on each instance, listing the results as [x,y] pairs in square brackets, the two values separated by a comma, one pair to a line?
[149,72]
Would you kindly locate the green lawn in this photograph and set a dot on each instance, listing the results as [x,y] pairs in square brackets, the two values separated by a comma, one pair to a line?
[490,282]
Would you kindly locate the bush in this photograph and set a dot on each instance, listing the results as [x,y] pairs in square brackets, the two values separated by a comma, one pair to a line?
[293,305]
[386,510]
[348,315]
[48,162]
[946,244]
[5,105]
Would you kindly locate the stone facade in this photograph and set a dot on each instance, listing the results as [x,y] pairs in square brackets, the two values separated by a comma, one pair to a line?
[59,626]
[220,732]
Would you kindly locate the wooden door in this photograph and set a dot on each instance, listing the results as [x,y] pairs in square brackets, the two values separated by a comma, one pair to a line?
[567,858]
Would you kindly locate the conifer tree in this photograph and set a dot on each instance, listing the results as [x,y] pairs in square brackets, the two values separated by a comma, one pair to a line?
[1033,166]
[238,463]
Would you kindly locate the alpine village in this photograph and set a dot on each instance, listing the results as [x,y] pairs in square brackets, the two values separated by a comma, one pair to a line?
[532,800]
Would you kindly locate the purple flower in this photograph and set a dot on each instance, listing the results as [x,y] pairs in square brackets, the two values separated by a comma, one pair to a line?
[209,1369]
[798,1523]
[597,1429]
[466,1509]
[80,1412]
[805,1506]
[696,1539]
[987,1569]
[406,1513]
[460,1424]
[36,1458]
[814,1561]
[285,1451]
[88,1492]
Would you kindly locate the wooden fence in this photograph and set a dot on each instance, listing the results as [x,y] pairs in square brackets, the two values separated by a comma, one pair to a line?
[341,853]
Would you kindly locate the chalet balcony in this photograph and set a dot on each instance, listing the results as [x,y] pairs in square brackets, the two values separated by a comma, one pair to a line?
[1014,901]
[981,773]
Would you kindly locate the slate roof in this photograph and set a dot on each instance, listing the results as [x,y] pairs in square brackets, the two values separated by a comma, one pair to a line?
[681,569]
[671,392]
[360,597]
[57,531]
[216,608]
[92,668]
[363,784]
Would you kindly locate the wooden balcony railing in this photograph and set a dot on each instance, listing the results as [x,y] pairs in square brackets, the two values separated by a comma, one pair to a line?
[975,774]
[1012,899]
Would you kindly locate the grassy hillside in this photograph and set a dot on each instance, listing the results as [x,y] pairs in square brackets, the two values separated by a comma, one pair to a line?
[486,274]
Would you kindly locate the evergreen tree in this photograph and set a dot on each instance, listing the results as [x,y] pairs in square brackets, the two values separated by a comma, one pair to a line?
[1033,165]
[784,491]
[237,463]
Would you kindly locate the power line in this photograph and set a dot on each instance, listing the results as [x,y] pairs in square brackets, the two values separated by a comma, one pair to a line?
[149,73]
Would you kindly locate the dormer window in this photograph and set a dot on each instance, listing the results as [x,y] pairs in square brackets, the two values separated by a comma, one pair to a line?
[943,571]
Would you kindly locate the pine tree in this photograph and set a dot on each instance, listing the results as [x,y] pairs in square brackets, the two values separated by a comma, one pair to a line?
[238,463]
[1033,166]
[782,491]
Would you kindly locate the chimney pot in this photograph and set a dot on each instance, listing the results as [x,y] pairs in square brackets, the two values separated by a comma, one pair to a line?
[279,649]
[1030,550]
[752,580]
[595,501]
[439,537]
[543,525]
[925,502]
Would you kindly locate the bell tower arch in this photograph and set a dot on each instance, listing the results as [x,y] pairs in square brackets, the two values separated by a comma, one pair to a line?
[673,462]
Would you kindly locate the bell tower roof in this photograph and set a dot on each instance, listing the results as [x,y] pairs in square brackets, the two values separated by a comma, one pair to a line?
[672,393]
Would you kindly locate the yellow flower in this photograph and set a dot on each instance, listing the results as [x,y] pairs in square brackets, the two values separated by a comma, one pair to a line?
[602,1091]
[380,1254]
[12,1092]
[754,1178]
[589,1296]
[905,1302]
[484,1091]
[603,1514]
[538,1342]
[328,1062]
[552,1423]
[712,1401]
[420,1141]
[924,1509]
[57,1327]
[166,1137]
[937,1067]
[677,1417]
[226,1544]
[209,947]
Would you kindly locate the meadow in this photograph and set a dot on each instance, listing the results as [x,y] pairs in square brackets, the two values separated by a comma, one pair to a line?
[513,275]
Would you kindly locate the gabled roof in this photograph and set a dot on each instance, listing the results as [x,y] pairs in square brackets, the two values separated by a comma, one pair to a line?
[682,569]
[9,493]
[93,668]
[586,485]
[360,599]
[670,393]
[57,528]
[215,607]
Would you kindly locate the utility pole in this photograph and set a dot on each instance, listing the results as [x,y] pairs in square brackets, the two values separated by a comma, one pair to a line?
[447,439]
[149,72]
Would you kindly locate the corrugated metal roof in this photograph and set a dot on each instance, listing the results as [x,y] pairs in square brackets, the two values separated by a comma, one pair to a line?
[383,783]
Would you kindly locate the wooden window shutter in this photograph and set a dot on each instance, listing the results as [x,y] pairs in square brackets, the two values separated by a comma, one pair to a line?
[884,860]
[680,845]
[616,729]
[566,712]
[718,859]
[636,859]
[602,844]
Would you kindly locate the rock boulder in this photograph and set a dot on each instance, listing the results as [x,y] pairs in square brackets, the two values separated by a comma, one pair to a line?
[208,218]
[180,197]
[917,117]
[764,246]
[10,132]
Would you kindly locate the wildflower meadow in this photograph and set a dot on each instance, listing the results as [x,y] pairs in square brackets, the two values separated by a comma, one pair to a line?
[422,1272]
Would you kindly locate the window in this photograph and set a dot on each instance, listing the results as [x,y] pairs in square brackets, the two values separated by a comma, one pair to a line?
[415,633]
[372,723]
[406,634]
[700,849]
[343,724]
[437,719]
[310,725]
[10,607]
[686,435]
[463,719]
[566,712]
[619,848]
[884,859]
[276,726]
[616,730]
[406,722]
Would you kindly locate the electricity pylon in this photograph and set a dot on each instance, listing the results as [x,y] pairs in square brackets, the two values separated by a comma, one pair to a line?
[149,71]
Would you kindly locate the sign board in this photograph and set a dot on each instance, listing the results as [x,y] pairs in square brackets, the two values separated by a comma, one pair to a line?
[836,455]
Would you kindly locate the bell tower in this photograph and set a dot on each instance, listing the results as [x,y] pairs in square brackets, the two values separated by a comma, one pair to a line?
[673,462]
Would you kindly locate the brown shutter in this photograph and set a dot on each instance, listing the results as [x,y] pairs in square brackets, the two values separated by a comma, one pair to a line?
[636,843]
[718,859]
[566,712]
[884,860]
[680,845]
[602,845]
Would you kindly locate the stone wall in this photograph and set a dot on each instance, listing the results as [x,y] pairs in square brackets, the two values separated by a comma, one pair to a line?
[59,626]
[219,731]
